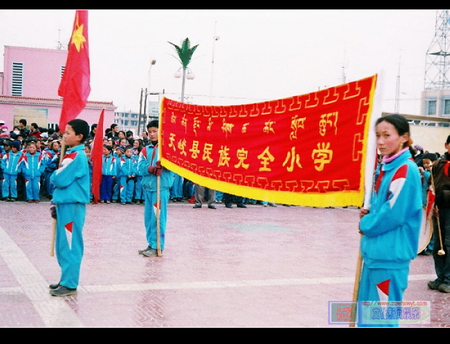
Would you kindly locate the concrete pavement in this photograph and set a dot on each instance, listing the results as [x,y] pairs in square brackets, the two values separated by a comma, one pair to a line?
[255,267]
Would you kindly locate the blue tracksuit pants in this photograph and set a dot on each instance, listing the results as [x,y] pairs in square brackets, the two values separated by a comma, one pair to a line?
[150,216]
[126,189]
[9,185]
[69,241]
[380,285]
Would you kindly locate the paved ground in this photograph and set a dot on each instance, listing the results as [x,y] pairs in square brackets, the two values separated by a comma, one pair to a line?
[254,267]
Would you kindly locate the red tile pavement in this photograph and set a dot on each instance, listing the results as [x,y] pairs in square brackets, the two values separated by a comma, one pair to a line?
[255,267]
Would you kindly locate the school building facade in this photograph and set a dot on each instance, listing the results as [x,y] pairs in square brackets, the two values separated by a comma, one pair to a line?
[29,89]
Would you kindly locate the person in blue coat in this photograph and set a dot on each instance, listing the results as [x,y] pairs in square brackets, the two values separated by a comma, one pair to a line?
[109,172]
[11,161]
[127,167]
[390,229]
[32,167]
[71,193]
[150,168]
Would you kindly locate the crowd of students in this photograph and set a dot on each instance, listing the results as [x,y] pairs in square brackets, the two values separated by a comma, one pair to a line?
[29,158]
[33,155]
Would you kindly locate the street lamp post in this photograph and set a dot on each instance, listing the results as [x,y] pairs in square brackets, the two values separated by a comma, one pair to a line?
[215,39]
[184,73]
[147,93]
[185,52]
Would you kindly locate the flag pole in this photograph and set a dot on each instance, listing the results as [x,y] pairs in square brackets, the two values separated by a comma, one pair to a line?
[370,169]
[158,191]
[61,155]
[158,215]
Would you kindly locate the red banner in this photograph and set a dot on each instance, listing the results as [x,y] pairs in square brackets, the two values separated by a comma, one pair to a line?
[307,150]
[75,83]
[97,159]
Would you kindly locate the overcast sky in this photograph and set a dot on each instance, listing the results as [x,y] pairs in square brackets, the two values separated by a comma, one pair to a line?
[260,54]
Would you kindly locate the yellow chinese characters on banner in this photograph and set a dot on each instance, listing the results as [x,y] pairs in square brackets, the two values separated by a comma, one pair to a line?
[305,150]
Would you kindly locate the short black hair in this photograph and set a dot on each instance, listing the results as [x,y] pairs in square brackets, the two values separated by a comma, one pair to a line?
[80,126]
[431,156]
[153,124]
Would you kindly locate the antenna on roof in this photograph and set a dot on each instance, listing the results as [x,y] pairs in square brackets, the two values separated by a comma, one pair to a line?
[59,46]
[344,77]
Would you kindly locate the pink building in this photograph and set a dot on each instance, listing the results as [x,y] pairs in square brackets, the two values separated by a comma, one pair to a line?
[29,89]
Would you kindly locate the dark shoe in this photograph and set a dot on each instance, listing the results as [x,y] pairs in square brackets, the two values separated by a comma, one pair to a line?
[212,206]
[228,205]
[53,286]
[445,288]
[426,252]
[145,249]
[151,253]
[434,285]
[197,206]
[241,206]
[62,291]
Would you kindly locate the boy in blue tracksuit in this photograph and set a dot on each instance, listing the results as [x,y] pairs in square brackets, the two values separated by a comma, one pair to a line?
[128,168]
[391,228]
[138,194]
[109,171]
[51,159]
[11,167]
[150,168]
[70,196]
[118,152]
[32,167]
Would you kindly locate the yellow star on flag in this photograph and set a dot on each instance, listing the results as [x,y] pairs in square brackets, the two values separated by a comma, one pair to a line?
[77,37]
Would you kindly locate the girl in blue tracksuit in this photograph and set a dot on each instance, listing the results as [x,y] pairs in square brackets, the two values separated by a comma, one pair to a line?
[51,159]
[109,171]
[391,228]
[32,167]
[71,194]
[127,167]
[11,161]
[149,167]
[138,195]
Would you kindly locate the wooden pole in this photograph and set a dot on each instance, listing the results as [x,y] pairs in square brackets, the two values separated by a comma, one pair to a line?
[61,156]
[356,289]
[158,216]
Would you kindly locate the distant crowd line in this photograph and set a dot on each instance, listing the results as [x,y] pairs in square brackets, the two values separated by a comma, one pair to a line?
[30,155]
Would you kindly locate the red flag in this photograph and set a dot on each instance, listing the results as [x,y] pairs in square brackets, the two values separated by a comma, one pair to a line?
[75,83]
[97,159]
[430,201]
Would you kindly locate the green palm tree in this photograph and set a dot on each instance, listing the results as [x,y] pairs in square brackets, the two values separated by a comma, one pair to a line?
[184,53]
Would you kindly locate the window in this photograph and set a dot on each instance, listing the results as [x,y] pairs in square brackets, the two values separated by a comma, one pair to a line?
[430,107]
[446,107]
[17,79]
